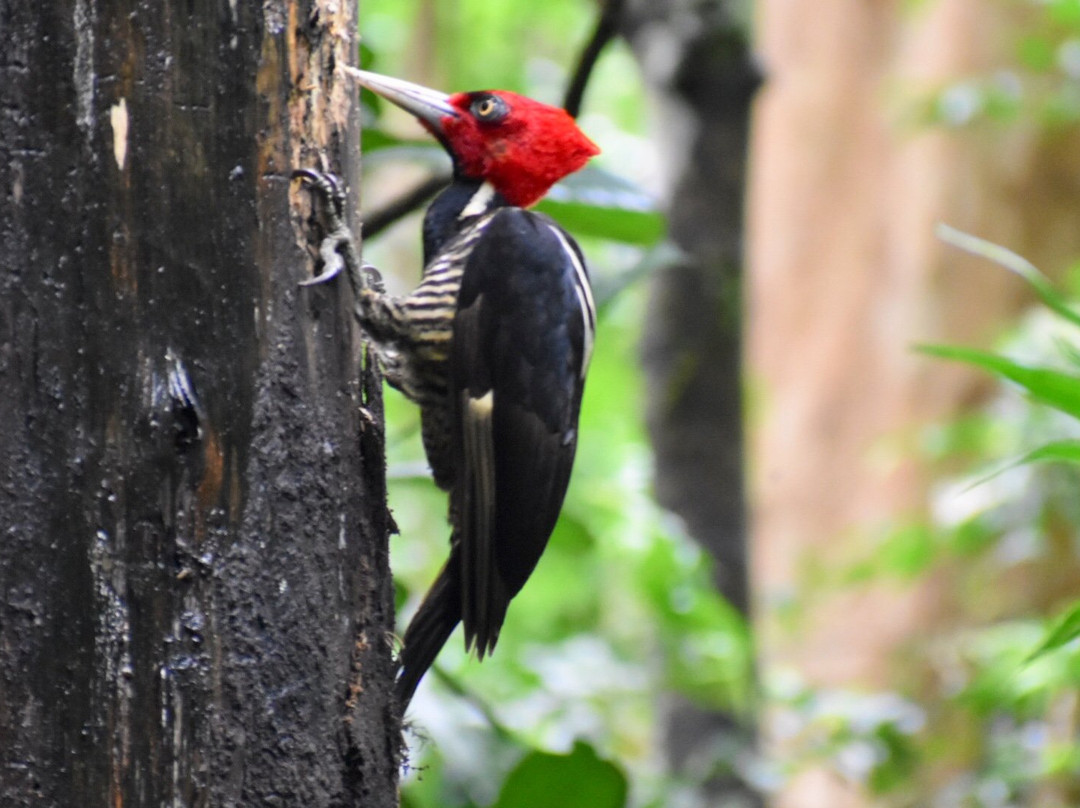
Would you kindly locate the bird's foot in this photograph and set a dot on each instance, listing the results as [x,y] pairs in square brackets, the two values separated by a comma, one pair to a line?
[372,278]
[337,251]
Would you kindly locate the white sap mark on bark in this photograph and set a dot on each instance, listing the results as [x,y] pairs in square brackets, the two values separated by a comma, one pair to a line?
[84,65]
[112,635]
[118,117]
[234,40]
[18,184]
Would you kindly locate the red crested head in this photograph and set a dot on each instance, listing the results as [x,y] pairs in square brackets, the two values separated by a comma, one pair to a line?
[520,146]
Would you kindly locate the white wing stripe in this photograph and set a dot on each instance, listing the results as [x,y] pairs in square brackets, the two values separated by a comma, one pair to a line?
[585,299]
[480,509]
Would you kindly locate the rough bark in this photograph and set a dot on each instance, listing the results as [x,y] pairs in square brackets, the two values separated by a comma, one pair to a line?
[194,592]
[697,65]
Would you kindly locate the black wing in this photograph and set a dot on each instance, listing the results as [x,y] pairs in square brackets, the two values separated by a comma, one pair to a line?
[522,338]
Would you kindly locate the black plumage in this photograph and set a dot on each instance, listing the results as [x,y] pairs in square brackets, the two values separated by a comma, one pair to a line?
[521,332]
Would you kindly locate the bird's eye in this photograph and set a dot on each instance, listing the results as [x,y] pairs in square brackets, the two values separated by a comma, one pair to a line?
[489,108]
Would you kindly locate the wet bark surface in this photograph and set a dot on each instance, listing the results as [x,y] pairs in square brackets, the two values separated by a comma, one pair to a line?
[194,585]
[700,74]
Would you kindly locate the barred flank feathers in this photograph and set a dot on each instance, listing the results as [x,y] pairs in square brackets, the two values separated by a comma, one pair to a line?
[429,629]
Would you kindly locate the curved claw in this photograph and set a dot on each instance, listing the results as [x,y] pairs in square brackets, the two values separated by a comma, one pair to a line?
[330,271]
[330,191]
[328,187]
[337,252]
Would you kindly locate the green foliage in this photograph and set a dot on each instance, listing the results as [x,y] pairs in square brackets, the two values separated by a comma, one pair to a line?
[707,646]
[1040,84]
[1016,673]
[906,552]
[870,738]
[1059,390]
[1007,259]
[579,779]
[520,47]
[595,202]
[1060,451]
[993,722]
[1064,630]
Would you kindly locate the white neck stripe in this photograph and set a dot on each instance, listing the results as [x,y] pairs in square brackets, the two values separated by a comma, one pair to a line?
[479,202]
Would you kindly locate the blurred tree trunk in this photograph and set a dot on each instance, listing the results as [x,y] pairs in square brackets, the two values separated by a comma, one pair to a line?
[848,275]
[701,80]
[194,586]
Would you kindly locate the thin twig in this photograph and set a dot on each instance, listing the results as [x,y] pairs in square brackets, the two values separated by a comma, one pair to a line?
[378,220]
[606,29]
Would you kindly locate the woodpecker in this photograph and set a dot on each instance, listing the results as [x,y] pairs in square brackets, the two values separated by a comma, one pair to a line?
[493,345]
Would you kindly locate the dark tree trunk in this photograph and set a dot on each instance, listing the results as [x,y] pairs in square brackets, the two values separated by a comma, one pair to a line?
[693,341]
[194,592]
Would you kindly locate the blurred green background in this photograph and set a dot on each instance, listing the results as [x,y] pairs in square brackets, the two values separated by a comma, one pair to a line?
[622,612]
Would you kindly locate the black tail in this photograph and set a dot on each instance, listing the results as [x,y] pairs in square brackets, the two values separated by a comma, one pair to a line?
[429,629]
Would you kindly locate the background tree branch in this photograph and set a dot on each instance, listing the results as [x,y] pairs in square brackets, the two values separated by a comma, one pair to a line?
[692,347]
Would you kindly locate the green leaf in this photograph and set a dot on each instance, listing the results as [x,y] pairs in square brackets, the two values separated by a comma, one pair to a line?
[1059,390]
[595,202]
[626,226]
[1014,263]
[1065,630]
[579,779]
[1062,451]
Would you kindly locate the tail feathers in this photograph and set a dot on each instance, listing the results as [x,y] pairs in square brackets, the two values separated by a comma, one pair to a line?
[429,630]
[482,630]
